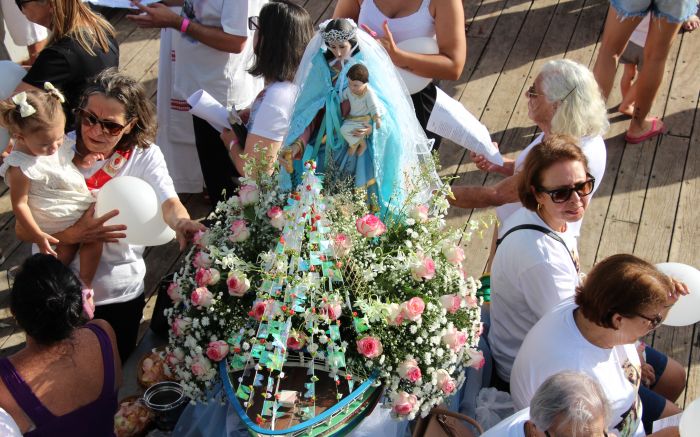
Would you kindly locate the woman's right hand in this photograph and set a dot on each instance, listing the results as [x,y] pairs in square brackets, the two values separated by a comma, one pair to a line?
[90,228]
[484,164]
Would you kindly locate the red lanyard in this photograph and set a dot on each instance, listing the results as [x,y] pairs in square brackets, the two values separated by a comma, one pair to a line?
[109,169]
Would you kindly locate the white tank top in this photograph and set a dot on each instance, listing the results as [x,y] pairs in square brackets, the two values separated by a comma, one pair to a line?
[418,24]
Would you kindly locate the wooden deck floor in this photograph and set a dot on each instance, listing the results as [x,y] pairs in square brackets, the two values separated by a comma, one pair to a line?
[645,204]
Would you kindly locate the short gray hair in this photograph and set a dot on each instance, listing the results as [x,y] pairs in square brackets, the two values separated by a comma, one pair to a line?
[580,108]
[574,398]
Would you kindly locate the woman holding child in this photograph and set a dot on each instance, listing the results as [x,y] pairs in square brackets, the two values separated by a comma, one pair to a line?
[116,124]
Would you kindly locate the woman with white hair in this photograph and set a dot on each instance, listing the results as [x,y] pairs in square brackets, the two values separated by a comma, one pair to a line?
[568,404]
[563,100]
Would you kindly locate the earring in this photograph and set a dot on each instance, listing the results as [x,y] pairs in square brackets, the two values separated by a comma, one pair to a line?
[539,207]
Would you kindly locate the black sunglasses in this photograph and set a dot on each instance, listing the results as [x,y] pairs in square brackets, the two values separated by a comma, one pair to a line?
[89,119]
[531,92]
[21,3]
[561,195]
[653,321]
[254,22]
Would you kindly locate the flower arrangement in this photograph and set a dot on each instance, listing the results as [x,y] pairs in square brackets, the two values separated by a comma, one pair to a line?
[320,276]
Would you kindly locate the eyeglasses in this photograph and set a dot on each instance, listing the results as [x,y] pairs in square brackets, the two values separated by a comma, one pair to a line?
[561,195]
[531,93]
[88,119]
[653,321]
[254,22]
[21,3]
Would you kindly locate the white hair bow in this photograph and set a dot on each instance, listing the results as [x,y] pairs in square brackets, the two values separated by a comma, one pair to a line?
[48,86]
[25,109]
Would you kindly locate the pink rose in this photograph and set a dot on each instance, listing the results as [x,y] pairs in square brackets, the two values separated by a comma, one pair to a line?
[445,382]
[395,314]
[369,347]
[453,254]
[248,194]
[454,338]
[423,267]
[180,326]
[174,292]
[202,277]
[341,245]
[409,370]
[201,260]
[471,301]
[258,310]
[217,350]
[370,226]
[201,297]
[451,302]
[200,367]
[476,359]
[413,308]
[404,403]
[419,213]
[237,284]
[239,231]
[296,340]
[276,216]
[199,239]
[332,309]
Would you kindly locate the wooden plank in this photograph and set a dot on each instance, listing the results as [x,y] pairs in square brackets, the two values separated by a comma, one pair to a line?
[588,30]
[683,96]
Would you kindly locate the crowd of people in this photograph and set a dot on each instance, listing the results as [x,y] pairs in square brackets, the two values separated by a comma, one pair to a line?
[565,346]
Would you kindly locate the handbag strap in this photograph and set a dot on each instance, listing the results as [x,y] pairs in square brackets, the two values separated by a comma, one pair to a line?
[460,416]
[545,231]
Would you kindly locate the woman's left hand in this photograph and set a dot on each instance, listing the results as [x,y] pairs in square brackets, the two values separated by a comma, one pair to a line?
[387,41]
[679,289]
[185,229]
[155,15]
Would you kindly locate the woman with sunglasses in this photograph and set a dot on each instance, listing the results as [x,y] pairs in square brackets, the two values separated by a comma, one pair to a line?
[622,299]
[567,404]
[82,44]
[536,261]
[116,124]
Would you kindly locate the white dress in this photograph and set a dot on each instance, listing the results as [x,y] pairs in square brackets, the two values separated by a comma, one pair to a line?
[58,196]
[362,108]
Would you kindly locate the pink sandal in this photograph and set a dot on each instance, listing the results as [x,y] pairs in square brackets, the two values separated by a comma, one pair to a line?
[657,128]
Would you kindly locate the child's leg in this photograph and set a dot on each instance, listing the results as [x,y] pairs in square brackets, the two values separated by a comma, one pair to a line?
[362,146]
[627,86]
[90,254]
[66,252]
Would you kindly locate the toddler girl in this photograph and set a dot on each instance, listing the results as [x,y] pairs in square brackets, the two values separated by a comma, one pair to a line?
[47,191]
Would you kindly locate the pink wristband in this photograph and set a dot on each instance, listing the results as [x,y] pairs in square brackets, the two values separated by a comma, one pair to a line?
[184,25]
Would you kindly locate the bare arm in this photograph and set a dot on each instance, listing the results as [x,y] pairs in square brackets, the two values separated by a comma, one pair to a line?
[347,9]
[506,191]
[176,216]
[451,39]
[160,16]
[19,196]
[88,228]
[267,149]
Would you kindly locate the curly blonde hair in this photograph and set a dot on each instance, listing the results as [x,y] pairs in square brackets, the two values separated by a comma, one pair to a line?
[580,108]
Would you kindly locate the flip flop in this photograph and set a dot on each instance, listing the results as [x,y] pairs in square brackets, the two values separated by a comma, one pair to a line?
[657,128]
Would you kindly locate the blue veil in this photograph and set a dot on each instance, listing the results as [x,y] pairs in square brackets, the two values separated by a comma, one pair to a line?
[398,155]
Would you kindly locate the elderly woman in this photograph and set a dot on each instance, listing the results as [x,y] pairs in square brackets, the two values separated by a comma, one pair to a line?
[82,44]
[116,120]
[64,381]
[536,262]
[568,404]
[622,299]
[563,100]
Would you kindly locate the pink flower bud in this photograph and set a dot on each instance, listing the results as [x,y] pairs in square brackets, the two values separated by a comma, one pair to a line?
[239,231]
[201,297]
[369,347]
[217,350]
[237,284]
[370,226]
[413,308]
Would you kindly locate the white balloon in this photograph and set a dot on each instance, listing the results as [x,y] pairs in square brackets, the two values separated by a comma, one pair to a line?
[686,311]
[138,210]
[423,45]
[690,420]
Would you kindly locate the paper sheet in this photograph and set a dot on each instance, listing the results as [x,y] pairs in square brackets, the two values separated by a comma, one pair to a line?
[666,422]
[207,108]
[124,4]
[451,120]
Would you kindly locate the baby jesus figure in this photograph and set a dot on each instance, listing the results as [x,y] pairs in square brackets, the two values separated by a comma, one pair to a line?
[363,108]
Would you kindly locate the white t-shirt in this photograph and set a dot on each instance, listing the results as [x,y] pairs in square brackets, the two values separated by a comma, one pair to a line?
[592,147]
[223,75]
[531,274]
[555,344]
[512,426]
[120,274]
[271,111]
[639,35]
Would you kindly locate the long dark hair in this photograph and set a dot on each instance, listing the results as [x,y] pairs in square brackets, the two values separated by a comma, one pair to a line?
[344,25]
[285,29]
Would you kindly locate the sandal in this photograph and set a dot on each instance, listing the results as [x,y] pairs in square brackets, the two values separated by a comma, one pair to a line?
[657,128]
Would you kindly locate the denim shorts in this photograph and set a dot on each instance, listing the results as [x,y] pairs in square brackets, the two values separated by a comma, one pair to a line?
[653,404]
[674,11]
